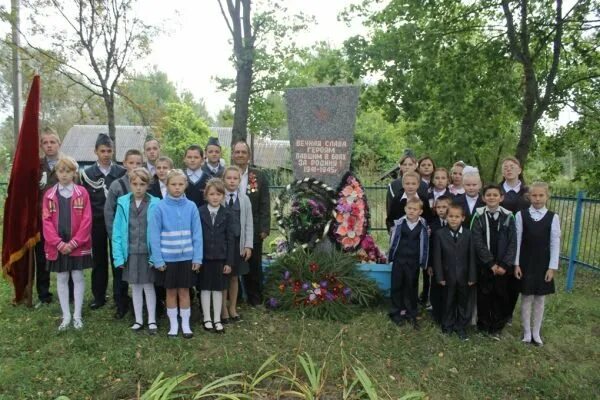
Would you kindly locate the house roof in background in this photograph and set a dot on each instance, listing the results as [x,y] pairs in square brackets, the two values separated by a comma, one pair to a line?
[80,140]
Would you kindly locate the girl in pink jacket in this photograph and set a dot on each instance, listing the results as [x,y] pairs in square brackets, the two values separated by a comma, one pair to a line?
[67,223]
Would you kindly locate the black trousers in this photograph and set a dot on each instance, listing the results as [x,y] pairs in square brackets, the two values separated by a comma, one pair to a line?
[493,303]
[100,253]
[424,297]
[514,289]
[404,290]
[42,274]
[436,298]
[457,313]
[253,280]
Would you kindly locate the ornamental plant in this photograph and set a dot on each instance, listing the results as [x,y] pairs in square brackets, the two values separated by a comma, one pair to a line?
[326,285]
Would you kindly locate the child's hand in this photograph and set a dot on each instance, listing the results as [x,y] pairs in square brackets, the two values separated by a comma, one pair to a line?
[501,271]
[549,275]
[518,272]
[429,271]
[471,283]
[247,253]
[495,269]
[163,268]
[196,267]
[443,283]
[226,269]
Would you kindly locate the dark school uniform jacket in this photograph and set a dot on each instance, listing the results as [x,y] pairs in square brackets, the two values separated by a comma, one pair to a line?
[461,199]
[515,201]
[454,260]
[97,185]
[206,169]
[218,239]
[506,240]
[154,188]
[195,191]
[258,193]
[396,236]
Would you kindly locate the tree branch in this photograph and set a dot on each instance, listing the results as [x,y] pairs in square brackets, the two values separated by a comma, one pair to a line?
[225,17]
[550,79]
[512,33]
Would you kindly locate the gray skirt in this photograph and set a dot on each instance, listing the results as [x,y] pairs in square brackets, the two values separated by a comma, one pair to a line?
[137,270]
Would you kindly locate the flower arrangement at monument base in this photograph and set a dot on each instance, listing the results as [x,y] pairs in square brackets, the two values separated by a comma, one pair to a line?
[369,252]
[325,285]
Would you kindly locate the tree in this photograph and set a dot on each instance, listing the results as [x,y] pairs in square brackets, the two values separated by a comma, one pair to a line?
[180,128]
[260,43]
[225,117]
[105,35]
[455,61]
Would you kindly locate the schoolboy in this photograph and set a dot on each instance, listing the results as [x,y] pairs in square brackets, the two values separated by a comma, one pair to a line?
[495,239]
[193,159]
[409,249]
[455,270]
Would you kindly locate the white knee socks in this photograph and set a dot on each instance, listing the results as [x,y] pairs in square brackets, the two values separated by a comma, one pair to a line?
[526,302]
[538,315]
[78,289]
[150,302]
[62,286]
[138,301]
[185,319]
[205,301]
[172,314]
[217,298]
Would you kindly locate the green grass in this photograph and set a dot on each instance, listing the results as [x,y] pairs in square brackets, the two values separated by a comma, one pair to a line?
[106,361]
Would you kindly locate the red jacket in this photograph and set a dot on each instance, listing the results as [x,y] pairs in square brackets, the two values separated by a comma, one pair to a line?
[81,223]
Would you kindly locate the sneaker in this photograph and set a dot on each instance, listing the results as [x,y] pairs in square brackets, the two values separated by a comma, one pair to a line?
[78,323]
[64,325]
[495,336]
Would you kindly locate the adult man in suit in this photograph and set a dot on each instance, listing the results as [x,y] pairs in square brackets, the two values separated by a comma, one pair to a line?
[256,186]
[50,145]
[97,179]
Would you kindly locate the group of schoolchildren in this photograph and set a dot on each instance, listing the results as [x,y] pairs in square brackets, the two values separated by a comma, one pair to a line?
[478,248]
[170,231]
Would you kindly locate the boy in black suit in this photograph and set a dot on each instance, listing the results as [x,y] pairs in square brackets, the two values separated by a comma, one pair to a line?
[212,166]
[495,239]
[431,289]
[471,200]
[193,159]
[455,271]
[409,249]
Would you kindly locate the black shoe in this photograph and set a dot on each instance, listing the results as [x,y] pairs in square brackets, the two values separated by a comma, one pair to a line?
[462,335]
[137,327]
[237,318]
[415,324]
[94,305]
[188,335]
[172,336]
[152,328]
[536,343]
[120,314]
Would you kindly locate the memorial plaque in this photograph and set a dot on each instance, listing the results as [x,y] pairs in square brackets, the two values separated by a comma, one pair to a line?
[321,127]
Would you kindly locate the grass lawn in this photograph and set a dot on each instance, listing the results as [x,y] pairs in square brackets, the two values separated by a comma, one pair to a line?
[106,361]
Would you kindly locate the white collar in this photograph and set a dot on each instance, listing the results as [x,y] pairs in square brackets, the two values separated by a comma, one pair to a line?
[193,172]
[542,210]
[212,209]
[228,193]
[460,229]
[104,170]
[404,196]
[70,187]
[507,188]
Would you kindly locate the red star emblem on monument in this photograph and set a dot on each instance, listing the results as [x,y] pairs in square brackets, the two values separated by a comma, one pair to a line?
[321,113]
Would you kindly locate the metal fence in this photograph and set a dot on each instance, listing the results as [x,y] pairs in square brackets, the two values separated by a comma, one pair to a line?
[579,218]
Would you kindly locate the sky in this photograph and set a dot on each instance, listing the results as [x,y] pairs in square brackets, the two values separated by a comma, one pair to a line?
[194,45]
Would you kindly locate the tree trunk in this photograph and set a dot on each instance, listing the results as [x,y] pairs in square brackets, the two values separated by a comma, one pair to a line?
[109,102]
[243,81]
[529,118]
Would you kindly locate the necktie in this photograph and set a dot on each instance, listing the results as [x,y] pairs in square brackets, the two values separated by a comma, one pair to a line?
[213,216]
[230,204]
[493,215]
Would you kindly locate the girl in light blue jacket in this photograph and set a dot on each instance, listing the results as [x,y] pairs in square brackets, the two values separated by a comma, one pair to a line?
[131,249]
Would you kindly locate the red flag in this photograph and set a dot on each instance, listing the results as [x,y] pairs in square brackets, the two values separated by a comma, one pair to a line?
[21,209]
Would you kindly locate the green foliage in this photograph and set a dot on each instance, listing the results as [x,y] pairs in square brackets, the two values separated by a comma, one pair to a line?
[323,272]
[180,128]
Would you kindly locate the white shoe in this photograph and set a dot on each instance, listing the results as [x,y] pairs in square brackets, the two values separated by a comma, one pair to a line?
[64,324]
[78,323]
